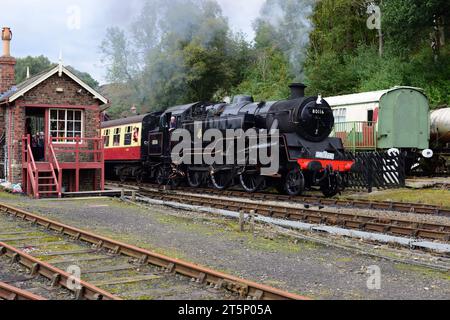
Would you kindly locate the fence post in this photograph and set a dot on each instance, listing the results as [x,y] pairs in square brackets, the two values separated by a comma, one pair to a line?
[77,164]
[354,136]
[370,173]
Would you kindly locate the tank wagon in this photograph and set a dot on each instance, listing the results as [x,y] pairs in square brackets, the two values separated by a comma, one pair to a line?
[440,141]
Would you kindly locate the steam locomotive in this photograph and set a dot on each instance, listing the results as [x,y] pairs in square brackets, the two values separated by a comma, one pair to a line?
[144,147]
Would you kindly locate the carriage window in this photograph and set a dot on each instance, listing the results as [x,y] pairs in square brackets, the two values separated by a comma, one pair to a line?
[340,115]
[128,135]
[66,124]
[106,135]
[370,115]
[116,141]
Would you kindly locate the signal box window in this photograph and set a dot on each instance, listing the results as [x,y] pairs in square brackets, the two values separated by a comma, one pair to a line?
[66,124]
[128,135]
[116,138]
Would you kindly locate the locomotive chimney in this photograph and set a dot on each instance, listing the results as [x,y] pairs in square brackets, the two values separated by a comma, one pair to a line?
[7,63]
[297,90]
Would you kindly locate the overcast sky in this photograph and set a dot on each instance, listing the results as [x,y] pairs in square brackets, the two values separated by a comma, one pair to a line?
[48,26]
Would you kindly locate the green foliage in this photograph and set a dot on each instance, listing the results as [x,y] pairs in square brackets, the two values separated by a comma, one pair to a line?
[180,51]
[284,25]
[85,77]
[40,64]
[343,56]
[36,65]
[267,77]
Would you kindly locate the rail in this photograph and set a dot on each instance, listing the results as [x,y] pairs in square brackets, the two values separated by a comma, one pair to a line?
[358,135]
[8,292]
[201,275]
[418,208]
[57,276]
[385,225]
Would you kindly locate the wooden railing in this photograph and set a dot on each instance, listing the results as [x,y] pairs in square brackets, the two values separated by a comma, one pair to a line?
[358,135]
[32,171]
[74,149]
[51,156]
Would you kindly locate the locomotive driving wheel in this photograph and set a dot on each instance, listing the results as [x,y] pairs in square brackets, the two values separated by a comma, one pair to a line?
[194,178]
[294,182]
[140,176]
[221,180]
[330,187]
[123,177]
[252,182]
[160,176]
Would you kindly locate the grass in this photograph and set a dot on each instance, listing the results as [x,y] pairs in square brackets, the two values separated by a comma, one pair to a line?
[432,197]
[423,271]
[7,195]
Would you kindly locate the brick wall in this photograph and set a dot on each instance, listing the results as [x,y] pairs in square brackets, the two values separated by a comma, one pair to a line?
[7,74]
[86,180]
[46,94]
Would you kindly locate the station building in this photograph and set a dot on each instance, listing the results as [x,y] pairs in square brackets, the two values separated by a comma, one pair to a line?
[49,130]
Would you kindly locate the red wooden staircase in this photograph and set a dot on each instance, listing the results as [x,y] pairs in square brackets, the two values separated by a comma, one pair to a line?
[74,155]
[47,182]
[40,178]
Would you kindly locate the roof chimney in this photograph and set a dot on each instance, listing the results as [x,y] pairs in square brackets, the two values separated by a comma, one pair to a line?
[6,38]
[297,90]
[7,63]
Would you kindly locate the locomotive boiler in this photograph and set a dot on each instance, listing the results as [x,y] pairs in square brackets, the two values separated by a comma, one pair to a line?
[307,156]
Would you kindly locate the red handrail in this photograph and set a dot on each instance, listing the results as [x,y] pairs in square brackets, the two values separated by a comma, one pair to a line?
[55,164]
[31,166]
[78,146]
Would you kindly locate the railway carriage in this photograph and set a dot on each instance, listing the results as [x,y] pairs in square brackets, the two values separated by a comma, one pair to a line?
[393,119]
[126,145]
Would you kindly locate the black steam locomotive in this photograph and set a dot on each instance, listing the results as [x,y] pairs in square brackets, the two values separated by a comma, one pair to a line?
[306,156]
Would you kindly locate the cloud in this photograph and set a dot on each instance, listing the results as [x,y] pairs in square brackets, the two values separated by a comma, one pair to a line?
[48,26]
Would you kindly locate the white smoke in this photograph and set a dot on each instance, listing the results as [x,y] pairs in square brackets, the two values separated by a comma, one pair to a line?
[291,21]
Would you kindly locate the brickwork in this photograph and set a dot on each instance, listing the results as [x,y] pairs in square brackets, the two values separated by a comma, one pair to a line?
[7,74]
[58,91]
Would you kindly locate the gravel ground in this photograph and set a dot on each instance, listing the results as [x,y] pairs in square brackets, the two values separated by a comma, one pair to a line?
[315,270]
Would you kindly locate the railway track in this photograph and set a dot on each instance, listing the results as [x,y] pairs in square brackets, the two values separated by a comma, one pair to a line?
[363,222]
[8,292]
[114,270]
[310,200]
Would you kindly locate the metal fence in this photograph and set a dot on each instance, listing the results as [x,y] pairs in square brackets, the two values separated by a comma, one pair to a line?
[359,135]
[377,170]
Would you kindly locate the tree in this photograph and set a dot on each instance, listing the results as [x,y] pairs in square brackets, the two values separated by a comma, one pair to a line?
[40,64]
[178,52]
[285,25]
[268,76]
[85,77]
[343,54]
[36,65]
